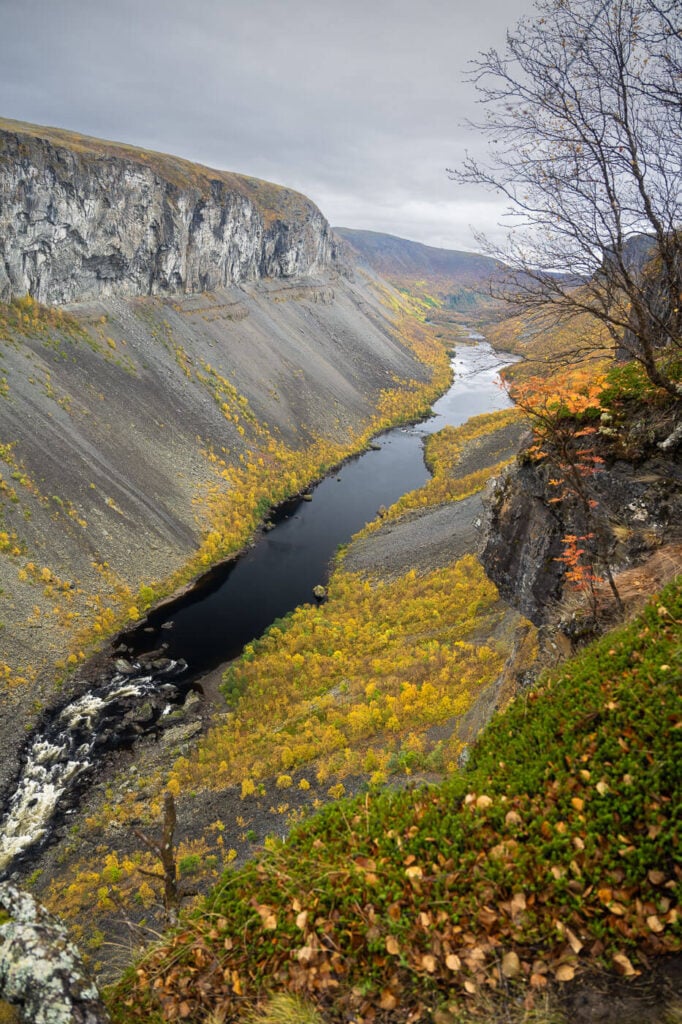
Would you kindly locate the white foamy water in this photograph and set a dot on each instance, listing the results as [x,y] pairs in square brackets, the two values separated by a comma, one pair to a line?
[58,757]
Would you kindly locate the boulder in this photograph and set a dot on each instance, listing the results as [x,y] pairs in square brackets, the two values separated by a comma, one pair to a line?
[41,971]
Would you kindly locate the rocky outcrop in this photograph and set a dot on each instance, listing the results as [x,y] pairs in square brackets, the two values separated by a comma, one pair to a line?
[639,506]
[82,219]
[41,971]
[522,541]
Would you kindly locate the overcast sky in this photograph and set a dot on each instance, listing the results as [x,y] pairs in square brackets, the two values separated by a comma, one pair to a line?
[357,103]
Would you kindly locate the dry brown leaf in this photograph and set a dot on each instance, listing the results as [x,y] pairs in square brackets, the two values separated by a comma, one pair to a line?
[654,924]
[538,981]
[267,916]
[578,803]
[302,920]
[414,872]
[487,917]
[623,965]
[483,801]
[365,864]
[511,965]
[573,941]
[441,1016]
[453,962]
[518,903]
[564,972]
[656,877]
[392,945]
[387,1001]
[429,963]
[470,987]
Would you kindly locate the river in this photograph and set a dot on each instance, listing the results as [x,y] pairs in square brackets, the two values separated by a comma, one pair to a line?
[229,607]
[237,602]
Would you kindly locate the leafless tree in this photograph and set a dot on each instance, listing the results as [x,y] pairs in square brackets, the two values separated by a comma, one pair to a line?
[583,112]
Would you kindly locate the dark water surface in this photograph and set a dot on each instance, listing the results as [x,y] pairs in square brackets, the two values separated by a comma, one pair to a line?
[237,602]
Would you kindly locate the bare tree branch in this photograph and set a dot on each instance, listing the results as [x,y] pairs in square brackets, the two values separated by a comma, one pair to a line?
[165,851]
[584,115]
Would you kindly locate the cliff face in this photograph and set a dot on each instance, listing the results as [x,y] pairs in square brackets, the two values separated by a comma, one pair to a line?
[639,507]
[82,219]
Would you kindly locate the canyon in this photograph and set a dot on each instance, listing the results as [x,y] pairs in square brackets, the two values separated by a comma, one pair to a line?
[182,351]
[209,353]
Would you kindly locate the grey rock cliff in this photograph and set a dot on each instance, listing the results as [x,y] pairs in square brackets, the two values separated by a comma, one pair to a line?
[81,219]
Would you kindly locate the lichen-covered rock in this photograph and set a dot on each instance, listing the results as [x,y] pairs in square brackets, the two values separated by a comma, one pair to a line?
[41,972]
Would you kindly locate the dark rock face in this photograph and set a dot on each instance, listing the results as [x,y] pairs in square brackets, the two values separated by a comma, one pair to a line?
[77,223]
[639,506]
[522,542]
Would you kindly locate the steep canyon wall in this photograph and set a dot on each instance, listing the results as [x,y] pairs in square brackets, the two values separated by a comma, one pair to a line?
[81,219]
[207,343]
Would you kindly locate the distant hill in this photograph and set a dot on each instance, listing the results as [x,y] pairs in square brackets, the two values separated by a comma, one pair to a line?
[458,278]
[399,257]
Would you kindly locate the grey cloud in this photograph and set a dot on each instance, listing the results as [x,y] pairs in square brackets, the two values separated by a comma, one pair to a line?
[359,104]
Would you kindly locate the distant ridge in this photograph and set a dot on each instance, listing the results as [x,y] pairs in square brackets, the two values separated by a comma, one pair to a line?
[459,281]
[400,258]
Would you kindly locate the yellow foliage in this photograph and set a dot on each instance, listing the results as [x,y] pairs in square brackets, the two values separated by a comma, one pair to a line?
[338,684]
[248,785]
[147,895]
[443,451]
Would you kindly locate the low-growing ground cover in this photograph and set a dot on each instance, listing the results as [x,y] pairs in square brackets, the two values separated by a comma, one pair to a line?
[355,684]
[558,847]
[443,452]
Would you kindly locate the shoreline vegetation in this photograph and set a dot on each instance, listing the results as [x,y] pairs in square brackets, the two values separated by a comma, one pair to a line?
[386,682]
